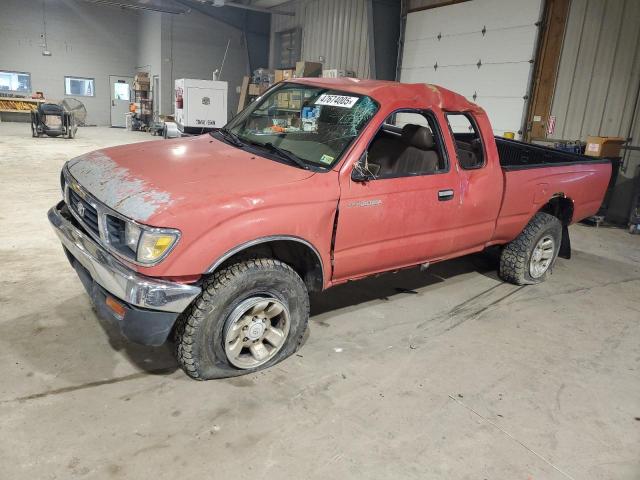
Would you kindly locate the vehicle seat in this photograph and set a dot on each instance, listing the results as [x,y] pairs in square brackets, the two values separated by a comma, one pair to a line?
[419,157]
[384,151]
[410,153]
[469,153]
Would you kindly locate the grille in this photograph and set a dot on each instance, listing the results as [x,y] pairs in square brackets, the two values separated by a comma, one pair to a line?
[89,215]
[115,229]
[115,233]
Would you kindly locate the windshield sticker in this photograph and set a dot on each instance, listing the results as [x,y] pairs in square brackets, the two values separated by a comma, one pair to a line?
[327,159]
[337,100]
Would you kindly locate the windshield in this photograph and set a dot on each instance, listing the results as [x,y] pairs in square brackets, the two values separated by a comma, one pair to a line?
[311,124]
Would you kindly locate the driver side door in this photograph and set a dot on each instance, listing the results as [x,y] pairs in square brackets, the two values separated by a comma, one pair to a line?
[400,217]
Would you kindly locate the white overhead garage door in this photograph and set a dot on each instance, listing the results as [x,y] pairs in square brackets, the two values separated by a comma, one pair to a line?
[482,49]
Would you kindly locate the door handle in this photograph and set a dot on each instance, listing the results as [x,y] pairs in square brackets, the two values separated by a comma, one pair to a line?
[444,195]
[113,103]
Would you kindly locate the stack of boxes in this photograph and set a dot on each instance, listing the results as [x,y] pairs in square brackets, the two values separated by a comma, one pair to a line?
[302,70]
[141,86]
[289,100]
[262,79]
[141,82]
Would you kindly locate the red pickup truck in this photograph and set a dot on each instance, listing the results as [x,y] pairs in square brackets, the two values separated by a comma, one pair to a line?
[219,238]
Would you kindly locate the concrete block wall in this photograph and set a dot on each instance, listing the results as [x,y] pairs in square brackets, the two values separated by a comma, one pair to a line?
[95,41]
[84,41]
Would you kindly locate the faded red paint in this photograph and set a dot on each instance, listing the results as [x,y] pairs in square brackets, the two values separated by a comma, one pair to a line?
[222,196]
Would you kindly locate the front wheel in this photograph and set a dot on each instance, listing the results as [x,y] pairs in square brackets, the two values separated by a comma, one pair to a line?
[250,316]
[529,258]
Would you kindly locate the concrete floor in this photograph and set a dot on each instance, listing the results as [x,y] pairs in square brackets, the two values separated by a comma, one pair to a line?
[448,373]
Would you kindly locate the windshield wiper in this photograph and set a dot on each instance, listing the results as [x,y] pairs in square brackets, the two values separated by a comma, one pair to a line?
[231,137]
[286,154]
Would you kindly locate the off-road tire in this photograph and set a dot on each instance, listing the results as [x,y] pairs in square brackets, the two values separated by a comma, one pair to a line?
[516,255]
[199,331]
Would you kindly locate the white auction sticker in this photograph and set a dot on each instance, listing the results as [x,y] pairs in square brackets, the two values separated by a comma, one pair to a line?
[337,100]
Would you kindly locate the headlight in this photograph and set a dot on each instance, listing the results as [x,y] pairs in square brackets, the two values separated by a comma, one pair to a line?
[153,245]
[131,236]
[140,243]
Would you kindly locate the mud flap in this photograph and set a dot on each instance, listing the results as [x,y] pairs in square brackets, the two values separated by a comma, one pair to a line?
[565,244]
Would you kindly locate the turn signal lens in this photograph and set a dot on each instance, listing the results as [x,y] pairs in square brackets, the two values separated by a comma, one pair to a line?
[154,245]
[115,306]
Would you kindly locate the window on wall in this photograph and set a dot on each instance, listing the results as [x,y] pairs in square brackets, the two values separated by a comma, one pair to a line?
[288,48]
[78,86]
[15,82]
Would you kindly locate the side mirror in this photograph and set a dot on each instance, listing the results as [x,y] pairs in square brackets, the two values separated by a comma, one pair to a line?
[362,172]
[359,174]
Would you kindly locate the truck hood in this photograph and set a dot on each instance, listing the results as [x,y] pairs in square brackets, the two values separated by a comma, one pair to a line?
[141,181]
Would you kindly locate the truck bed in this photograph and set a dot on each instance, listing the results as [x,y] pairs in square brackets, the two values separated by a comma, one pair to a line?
[515,155]
[533,174]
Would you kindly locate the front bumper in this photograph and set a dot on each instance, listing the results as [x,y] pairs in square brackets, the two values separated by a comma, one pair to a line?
[151,305]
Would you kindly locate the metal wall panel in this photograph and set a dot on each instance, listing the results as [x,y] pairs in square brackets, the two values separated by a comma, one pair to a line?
[599,72]
[598,84]
[334,29]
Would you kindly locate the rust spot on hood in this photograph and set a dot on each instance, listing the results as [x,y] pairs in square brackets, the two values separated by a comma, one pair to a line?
[113,185]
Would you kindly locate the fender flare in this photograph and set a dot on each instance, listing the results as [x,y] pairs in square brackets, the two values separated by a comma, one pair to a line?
[271,238]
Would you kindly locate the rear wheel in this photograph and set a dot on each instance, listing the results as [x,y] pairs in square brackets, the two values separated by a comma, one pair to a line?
[529,258]
[250,315]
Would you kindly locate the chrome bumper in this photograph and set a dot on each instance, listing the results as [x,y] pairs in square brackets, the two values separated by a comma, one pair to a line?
[114,277]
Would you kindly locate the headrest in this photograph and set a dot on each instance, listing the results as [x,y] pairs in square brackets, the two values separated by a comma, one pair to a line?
[418,136]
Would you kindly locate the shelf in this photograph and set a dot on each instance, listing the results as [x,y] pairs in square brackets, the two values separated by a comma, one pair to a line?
[30,100]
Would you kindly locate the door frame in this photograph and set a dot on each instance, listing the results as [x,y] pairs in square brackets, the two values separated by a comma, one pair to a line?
[449,177]
[155,97]
[111,95]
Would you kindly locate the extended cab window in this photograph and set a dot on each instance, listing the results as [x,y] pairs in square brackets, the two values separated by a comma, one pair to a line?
[467,139]
[407,144]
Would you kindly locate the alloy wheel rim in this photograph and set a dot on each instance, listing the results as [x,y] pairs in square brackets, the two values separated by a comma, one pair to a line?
[542,256]
[255,331]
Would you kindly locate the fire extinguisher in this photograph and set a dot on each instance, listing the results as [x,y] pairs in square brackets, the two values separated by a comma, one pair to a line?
[179,101]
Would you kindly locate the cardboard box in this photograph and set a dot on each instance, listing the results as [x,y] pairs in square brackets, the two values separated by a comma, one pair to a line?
[142,77]
[282,75]
[255,89]
[282,99]
[335,73]
[603,147]
[295,100]
[144,87]
[308,69]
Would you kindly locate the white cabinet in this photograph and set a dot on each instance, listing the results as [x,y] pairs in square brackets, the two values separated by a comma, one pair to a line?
[200,105]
